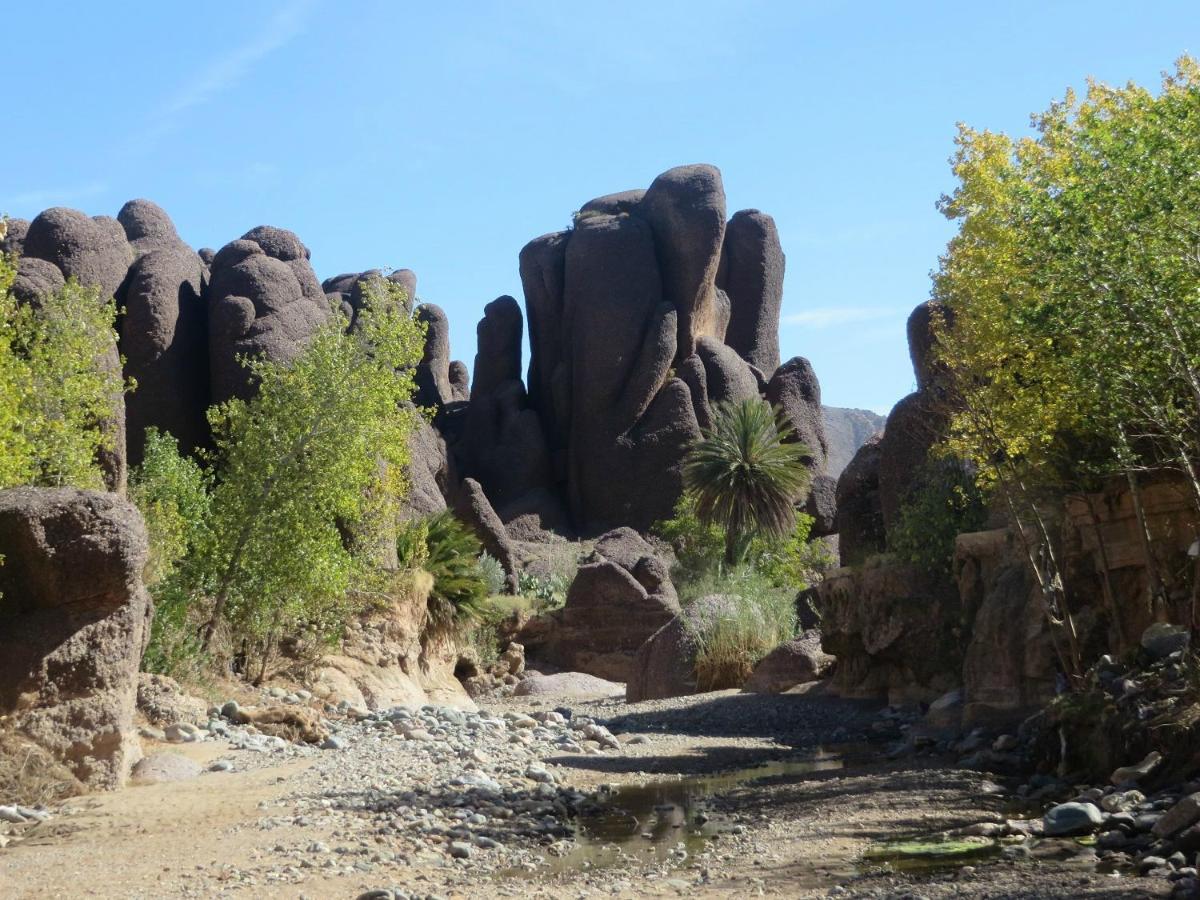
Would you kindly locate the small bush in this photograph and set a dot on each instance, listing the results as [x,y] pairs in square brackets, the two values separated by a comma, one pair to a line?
[756,618]
[492,573]
[944,503]
[450,552]
[29,775]
[548,592]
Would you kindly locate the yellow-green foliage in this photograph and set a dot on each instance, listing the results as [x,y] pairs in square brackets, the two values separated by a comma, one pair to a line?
[55,389]
[1074,287]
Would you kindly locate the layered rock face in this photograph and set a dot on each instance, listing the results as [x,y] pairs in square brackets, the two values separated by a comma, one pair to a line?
[74,621]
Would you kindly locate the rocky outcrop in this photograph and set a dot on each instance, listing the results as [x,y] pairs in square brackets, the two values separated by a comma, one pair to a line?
[896,632]
[148,227]
[433,372]
[915,425]
[859,520]
[629,326]
[798,661]
[164,339]
[387,658]
[74,621]
[845,431]
[620,597]
[1009,666]
[751,274]
[794,389]
[665,664]
[263,300]
[13,241]
[473,509]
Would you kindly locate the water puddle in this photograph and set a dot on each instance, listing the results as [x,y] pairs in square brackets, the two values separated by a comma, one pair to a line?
[667,820]
[927,857]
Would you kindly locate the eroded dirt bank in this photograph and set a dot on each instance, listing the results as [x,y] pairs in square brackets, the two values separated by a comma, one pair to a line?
[513,802]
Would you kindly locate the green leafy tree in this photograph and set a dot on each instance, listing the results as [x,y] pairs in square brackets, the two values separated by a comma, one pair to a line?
[1073,292]
[310,472]
[57,385]
[745,474]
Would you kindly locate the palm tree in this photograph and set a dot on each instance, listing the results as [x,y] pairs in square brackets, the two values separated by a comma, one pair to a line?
[746,473]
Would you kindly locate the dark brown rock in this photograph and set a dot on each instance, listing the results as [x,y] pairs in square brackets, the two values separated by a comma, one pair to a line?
[74,621]
[460,380]
[13,241]
[498,359]
[859,521]
[164,339]
[92,250]
[433,372]
[922,342]
[915,425]
[821,504]
[751,273]
[614,204]
[148,227]
[263,300]
[796,392]
[798,661]
[472,508]
[685,206]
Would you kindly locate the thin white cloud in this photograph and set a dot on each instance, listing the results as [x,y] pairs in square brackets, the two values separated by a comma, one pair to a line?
[43,198]
[832,316]
[226,71]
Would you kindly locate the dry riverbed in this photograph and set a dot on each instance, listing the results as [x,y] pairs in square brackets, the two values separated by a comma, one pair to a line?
[723,795]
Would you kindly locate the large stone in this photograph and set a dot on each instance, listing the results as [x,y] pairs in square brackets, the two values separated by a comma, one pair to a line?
[13,240]
[751,273]
[627,415]
[543,279]
[1162,639]
[164,339]
[165,768]
[1009,666]
[263,300]
[915,425]
[428,472]
[922,341]
[74,621]
[727,377]
[665,664]
[617,600]
[94,251]
[433,372]
[568,684]
[859,521]
[821,504]
[895,631]
[460,380]
[473,509]
[148,227]
[35,279]
[498,359]
[796,392]
[798,661]
[1070,819]
[685,206]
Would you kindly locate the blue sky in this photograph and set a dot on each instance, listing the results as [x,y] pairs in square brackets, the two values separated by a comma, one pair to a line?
[443,136]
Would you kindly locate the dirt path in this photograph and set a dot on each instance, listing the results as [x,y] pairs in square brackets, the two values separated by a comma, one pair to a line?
[794,830]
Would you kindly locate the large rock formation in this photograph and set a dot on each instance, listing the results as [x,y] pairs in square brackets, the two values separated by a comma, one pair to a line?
[751,274]
[263,300]
[629,315]
[617,600]
[859,519]
[164,339]
[74,621]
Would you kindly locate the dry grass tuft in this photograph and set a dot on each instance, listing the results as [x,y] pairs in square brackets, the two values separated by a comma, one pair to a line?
[29,775]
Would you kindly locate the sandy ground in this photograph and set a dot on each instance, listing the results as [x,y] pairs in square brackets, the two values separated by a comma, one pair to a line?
[802,834]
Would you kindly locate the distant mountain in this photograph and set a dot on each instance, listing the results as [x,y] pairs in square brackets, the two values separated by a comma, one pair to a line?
[846,431]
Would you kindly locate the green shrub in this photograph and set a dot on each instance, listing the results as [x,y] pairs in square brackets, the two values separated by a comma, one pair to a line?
[943,503]
[548,592]
[57,389]
[759,616]
[492,573]
[791,561]
[171,491]
[450,552]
